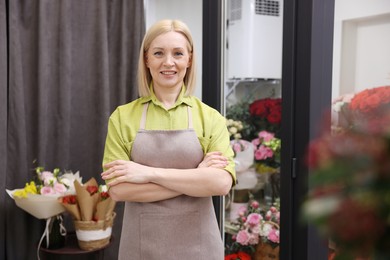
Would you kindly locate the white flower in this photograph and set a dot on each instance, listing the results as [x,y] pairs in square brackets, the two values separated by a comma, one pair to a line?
[233,130]
[103,188]
[320,207]
[68,180]
[265,229]
[50,180]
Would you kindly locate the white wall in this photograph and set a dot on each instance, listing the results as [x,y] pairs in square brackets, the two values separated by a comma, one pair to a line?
[188,11]
[361,53]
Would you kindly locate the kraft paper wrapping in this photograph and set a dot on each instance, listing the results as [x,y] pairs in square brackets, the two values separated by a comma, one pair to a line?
[89,208]
[104,209]
[73,209]
[87,203]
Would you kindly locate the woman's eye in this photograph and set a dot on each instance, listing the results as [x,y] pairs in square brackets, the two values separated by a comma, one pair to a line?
[179,53]
[158,53]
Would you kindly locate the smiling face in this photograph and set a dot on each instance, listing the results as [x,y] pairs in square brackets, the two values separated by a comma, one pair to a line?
[168,59]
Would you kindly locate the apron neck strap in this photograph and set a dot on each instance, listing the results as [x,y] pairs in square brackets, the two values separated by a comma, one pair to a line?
[145,109]
[143,118]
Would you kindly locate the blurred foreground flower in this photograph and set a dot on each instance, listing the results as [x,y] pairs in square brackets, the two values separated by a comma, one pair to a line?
[349,195]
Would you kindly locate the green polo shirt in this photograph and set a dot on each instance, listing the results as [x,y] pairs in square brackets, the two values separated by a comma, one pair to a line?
[208,123]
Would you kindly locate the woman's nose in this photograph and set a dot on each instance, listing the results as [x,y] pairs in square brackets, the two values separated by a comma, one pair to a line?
[169,60]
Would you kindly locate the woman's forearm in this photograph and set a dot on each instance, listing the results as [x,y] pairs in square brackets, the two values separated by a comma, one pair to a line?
[149,192]
[199,182]
[153,184]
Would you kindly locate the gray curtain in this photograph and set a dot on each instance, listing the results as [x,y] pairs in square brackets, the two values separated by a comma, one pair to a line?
[64,67]
[3,120]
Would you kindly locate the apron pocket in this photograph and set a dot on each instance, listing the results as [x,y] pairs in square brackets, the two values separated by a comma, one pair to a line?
[170,236]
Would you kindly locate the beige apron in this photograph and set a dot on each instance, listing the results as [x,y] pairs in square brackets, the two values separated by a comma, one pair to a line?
[182,228]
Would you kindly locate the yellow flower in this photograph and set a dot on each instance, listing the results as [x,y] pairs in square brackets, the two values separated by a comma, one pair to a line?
[20,193]
[30,188]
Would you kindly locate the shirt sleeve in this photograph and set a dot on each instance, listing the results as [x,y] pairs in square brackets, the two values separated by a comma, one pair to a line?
[220,141]
[115,146]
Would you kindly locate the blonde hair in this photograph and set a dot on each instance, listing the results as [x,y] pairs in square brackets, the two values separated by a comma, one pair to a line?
[161,27]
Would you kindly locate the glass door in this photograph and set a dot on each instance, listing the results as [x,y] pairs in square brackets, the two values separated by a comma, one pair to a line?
[305,89]
[252,74]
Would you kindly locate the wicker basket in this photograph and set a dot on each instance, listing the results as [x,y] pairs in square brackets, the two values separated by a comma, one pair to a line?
[266,251]
[92,235]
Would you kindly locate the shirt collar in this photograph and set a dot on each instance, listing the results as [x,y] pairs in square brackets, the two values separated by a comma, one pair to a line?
[180,100]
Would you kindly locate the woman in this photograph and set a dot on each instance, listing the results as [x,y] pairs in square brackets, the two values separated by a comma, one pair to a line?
[167,154]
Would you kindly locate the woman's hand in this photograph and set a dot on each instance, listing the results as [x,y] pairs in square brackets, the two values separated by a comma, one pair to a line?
[215,160]
[121,171]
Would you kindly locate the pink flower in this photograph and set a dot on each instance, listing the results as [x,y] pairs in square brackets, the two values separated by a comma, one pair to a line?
[256,142]
[59,188]
[263,153]
[256,230]
[45,175]
[254,219]
[237,147]
[268,215]
[266,136]
[253,239]
[274,236]
[242,211]
[47,191]
[255,204]
[243,237]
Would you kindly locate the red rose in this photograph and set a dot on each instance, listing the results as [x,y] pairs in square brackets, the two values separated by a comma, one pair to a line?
[238,256]
[274,118]
[104,195]
[369,100]
[231,257]
[70,199]
[243,256]
[92,189]
[264,107]
[258,108]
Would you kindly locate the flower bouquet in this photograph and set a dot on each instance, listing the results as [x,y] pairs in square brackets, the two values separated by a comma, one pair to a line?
[246,175]
[267,152]
[367,108]
[267,162]
[262,114]
[266,114]
[39,198]
[93,214]
[257,231]
[234,128]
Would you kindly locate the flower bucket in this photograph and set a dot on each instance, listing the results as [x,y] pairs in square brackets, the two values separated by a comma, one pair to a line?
[266,251]
[92,235]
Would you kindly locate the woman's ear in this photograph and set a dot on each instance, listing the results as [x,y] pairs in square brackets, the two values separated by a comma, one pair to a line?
[146,60]
[189,61]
